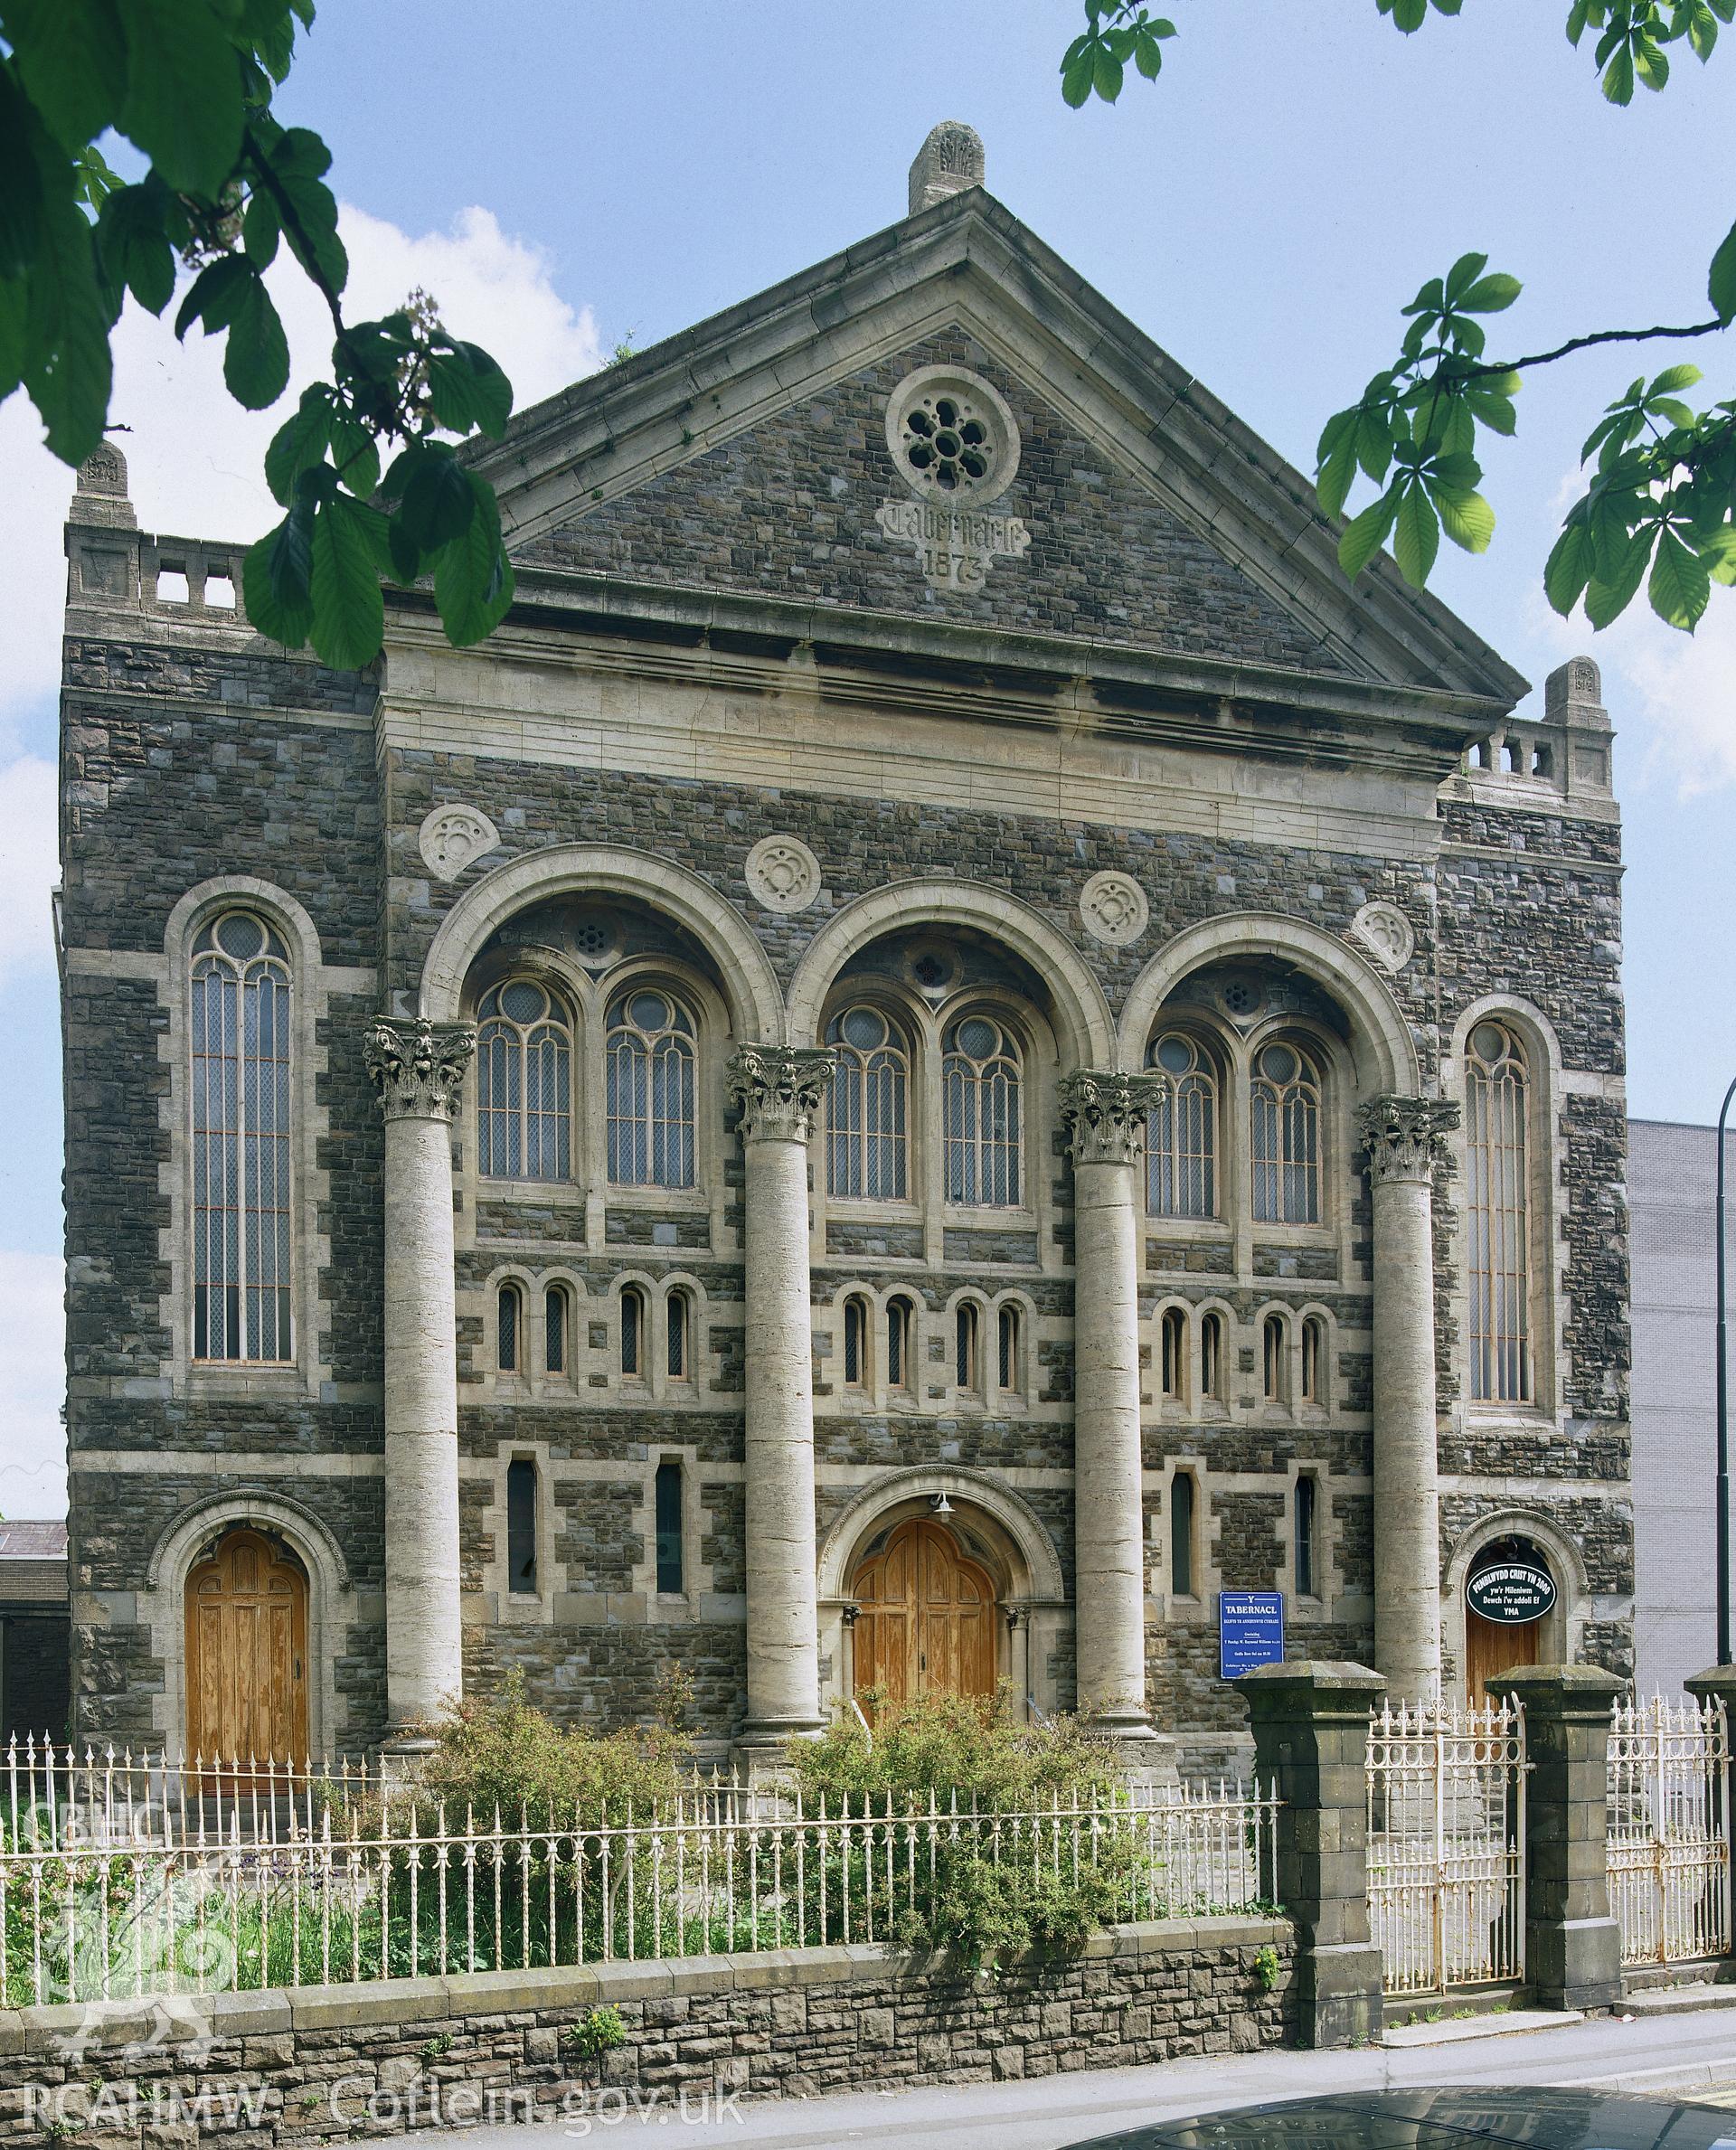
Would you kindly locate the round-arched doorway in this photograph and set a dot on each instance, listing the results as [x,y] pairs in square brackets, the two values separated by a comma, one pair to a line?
[247,1651]
[926,1619]
[1510,1591]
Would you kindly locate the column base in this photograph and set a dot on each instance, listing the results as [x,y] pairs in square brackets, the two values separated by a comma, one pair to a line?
[1574,1963]
[1338,1993]
[403,1753]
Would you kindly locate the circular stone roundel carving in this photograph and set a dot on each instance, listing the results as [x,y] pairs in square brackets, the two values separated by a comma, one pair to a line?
[952,437]
[1114,908]
[452,837]
[783,874]
[1385,932]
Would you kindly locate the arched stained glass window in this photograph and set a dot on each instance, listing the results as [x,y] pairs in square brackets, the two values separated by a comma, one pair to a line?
[868,1107]
[240,1142]
[980,1084]
[523,1083]
[649,1051]
[1181,1131]
[1497,1090]
[1286,1136]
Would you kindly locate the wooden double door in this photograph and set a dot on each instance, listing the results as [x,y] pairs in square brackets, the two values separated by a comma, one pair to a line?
[927,1619]
[247,1651]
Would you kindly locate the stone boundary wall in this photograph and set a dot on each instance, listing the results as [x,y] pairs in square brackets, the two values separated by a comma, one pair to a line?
[322,2062]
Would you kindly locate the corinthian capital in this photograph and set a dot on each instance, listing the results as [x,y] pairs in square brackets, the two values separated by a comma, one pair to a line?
[778,1089]
[1105,1115]
[417,1067]
[1404,1136]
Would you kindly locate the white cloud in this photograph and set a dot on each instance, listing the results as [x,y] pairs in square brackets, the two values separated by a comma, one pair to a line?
[194,455]
[29,864]
[32,1384]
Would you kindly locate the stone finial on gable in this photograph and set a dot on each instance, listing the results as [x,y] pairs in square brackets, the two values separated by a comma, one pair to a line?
[949,161]
[102,496]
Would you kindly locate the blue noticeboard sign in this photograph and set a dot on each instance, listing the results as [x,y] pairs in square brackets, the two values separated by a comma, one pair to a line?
[1251,1631]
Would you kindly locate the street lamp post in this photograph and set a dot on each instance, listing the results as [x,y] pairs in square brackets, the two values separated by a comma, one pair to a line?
[1723,1393]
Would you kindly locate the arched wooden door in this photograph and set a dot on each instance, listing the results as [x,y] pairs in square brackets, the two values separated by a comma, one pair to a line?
[927,1618]
[247,1651]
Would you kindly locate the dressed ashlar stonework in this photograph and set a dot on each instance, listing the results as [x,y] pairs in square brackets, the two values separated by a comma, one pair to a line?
[1153,1157]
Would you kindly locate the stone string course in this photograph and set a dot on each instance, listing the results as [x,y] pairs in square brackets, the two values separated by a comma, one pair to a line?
[325,2062]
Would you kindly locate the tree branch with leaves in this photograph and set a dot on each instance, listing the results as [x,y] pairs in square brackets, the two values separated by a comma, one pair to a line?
[1660,508]
[227,192]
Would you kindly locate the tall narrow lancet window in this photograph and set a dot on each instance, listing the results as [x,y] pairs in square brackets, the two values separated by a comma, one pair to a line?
[649,1051]
[868,1107]
[899,1325]
[980,1109]
[1498,1092]
[523,1083]
[1181,1131]
[1181,1535]
[521,1527]
[240,1142]
[1286,1136]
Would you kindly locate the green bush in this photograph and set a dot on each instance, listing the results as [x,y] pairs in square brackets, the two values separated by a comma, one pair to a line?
[1001,1878]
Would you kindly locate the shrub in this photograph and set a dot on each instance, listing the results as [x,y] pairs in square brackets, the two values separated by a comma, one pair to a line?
[1001,1879]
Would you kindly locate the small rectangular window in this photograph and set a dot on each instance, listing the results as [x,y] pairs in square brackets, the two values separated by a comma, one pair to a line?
[554,1314]
[521,1528]
[507,1356]
[632,1330]
[670,1564]
[676,1304]
[1307,1496]
[1181,1535]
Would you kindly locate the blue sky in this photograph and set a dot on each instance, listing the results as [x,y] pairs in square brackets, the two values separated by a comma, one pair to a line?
[562,177]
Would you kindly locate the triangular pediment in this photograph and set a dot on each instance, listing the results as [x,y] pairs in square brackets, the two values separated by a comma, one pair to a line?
[750,456]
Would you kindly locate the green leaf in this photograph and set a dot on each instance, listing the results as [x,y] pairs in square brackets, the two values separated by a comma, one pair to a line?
[1680,583]
[72,59]
[1608,596]
[1491,295]
[1673,380]
[1367,533]
[473,578]
[1076,79]
[1569,568]
[1495,412]
[1618,88]
[1417,537]
[134,245]
[260,229]
[298,444]
[349,609]
[1719,555]
[1462,277]
[1332,487]
[256,361]
[184,93]
[1721,284]
[466,389]
[66,366]
[355,455]
[13,303]
[1466,517]
[1105,75]
[277,578]
[215,294]
[438,502]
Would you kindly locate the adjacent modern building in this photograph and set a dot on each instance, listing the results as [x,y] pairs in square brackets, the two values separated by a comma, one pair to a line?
[946,1048]
[1671,1175]
[33,1631]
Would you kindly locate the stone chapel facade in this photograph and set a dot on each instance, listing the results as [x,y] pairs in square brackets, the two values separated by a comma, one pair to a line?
[945,1047]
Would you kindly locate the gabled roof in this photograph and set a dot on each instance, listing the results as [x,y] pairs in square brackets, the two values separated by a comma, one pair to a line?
[967,267]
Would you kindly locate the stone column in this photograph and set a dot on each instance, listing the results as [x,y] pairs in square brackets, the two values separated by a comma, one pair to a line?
[779,1091]
[1310,1727]
[1105,1117]
[417,1069]
[1402,1136]
[1573,1945]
